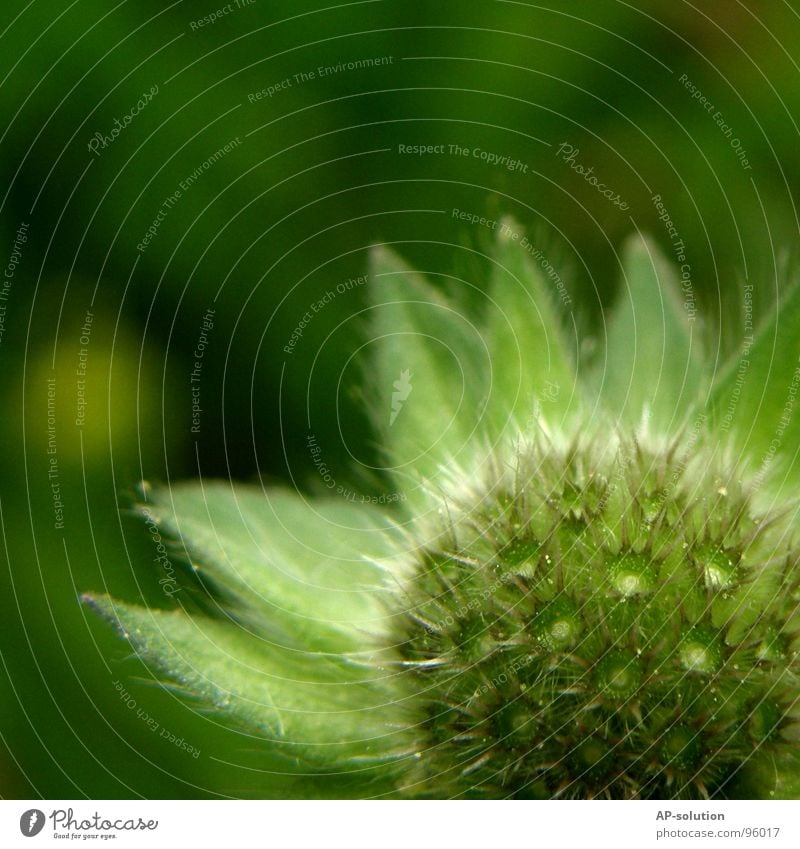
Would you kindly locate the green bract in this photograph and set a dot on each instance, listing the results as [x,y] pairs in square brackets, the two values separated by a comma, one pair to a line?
[592,589]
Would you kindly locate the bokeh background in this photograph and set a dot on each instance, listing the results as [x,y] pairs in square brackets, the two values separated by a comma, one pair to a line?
[289,175]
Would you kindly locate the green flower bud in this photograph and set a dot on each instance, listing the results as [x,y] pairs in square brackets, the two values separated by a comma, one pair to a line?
[580,598]
[606,667]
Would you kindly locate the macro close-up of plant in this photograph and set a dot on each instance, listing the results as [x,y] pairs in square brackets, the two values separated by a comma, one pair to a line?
[592,590]
[401,404]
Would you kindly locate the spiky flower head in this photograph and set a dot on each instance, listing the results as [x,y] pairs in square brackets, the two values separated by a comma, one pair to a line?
[590,588]
[603,618]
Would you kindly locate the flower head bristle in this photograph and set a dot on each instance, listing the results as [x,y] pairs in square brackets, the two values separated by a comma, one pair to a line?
[605,619]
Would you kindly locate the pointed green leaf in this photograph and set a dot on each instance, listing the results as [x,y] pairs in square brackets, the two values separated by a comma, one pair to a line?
[653,359]
[532,366]
[319,709]
[427,366]
[755,398]
[312,574]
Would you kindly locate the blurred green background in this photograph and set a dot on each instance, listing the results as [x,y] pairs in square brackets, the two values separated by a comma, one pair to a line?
[99,333]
